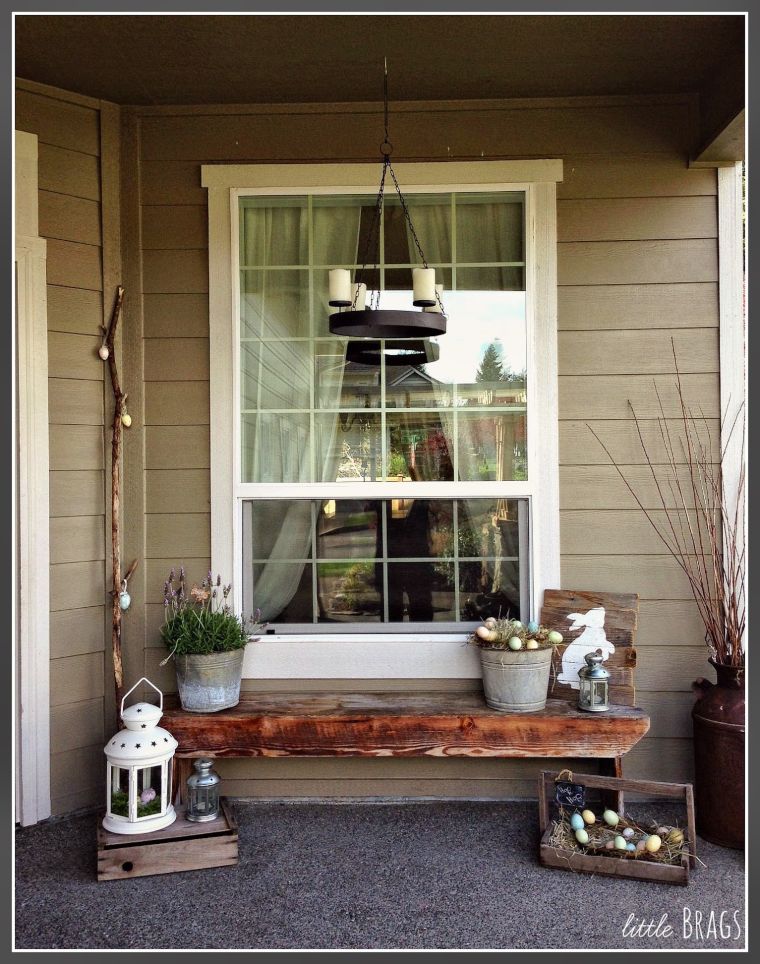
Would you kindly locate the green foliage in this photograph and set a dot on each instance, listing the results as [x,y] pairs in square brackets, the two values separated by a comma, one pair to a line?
[201,622]
[120,805]
[491,367]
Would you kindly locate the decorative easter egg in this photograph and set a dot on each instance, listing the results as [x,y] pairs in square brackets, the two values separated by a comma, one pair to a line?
[532,626]
[620,843]
[610,845]
[125,601]
[588,816]
[610,818]
[486,634]
[630,846]
[489,623]
[555,637]
[628,833]
[126,420]
[576,821]
[675,837]
[581,836]
[104,352]
[516,624]
[653,843]
[515,643]
[147,795]
[531,644]
[641,846]
[663,831]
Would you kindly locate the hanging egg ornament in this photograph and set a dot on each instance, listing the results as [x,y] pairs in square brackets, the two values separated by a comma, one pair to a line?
[555,637]
[610,818]
[125,600]
[576,821]
[126,419]
[104,352]
[515,643]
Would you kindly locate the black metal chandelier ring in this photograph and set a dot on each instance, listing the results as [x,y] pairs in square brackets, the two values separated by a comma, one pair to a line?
[387,323]
[395,353]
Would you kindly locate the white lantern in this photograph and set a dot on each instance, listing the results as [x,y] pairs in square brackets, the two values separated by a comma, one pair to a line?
[139,770]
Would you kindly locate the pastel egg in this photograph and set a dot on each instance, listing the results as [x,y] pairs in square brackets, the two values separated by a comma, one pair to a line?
[531,644]
[653,843]
[576,821]
[490,623]
[675,837]
[555,637]
[628,833]
[610,818]
[532,626]
[486,634]
[104,352]
[641,846]
[620,843]
[630,846]
[126,420]
[516,624]
[610,845]
[581,836]
[588,816]
[515,643]
[663,831]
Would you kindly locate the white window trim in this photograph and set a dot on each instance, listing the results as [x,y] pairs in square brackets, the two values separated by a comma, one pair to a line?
[422,655]
[31,574]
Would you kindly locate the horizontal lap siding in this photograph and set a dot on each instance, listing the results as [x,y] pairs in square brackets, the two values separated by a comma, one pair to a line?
[70,219]
[637,262]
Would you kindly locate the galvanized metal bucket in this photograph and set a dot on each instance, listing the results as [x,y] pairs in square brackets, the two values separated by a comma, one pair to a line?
[210,682]
[516,682]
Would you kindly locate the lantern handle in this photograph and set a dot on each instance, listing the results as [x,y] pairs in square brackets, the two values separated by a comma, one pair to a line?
[143,680]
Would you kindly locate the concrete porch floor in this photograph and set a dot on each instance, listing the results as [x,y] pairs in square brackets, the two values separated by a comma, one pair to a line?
[401,875]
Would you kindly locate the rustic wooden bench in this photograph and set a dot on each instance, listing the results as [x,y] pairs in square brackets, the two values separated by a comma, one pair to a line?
[322,724]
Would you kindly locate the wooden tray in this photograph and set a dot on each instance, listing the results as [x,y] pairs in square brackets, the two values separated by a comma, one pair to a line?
[617,866]
[185,845]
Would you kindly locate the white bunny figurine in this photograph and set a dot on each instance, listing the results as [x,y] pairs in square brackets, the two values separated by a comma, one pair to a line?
[591,639]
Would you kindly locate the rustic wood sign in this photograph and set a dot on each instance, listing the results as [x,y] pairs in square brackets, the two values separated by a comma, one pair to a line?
[569,794]
[589,621]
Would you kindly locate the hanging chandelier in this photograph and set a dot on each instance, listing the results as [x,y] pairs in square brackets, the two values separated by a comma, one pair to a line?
[354,317]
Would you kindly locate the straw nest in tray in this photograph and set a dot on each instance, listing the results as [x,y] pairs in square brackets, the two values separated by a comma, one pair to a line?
[601,840]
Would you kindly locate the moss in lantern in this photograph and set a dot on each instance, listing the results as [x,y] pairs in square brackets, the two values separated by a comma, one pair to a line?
[120,805]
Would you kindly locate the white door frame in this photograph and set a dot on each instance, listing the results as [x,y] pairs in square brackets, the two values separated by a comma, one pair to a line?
[31,571]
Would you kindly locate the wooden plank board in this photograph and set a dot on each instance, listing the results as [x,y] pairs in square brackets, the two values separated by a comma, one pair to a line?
[637,219]
[77,539]
[401,725]
[419,135]
[76,493]
[69,172]
[177,403]
[618,531]
[636,262]
[69,218]
[177,447]
[76,678]
[177,534]
[77,310]
[157,571]
[172,182]
[600,487]
[77,585]
[74,265]
[383,789]
[166,315]
[75,632]
[610,396]
[175,272]
[668,619]
[62,804]
[177,490]
[72,770]
[629,176]
[648,306]
[655,576]
[175,226]
[638,352]
[176,359]
[74,356]
[577,446]
[75,725]
[58,122]
[76,447]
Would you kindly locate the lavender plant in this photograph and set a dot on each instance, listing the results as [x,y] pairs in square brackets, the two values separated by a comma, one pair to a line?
[201,621]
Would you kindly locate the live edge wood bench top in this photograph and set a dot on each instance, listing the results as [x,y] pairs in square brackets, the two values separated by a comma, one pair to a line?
[401,724]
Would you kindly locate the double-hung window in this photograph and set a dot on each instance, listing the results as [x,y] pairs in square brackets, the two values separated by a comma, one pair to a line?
[377,500]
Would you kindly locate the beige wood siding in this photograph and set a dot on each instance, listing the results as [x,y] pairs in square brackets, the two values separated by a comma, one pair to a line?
[70,218]
[637,266]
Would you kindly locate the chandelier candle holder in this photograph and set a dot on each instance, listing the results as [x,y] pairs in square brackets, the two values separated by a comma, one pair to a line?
[138,770]
[356,319]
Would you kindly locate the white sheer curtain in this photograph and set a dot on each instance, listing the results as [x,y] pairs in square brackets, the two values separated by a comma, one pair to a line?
[282,444]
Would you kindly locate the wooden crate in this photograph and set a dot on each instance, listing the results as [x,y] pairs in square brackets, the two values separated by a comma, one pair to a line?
[637,869]
[185,845]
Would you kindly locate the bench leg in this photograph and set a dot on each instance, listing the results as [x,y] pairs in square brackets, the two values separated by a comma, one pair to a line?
[181,770]
[612,767]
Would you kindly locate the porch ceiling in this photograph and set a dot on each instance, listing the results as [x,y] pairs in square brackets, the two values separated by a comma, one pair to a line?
[207,59]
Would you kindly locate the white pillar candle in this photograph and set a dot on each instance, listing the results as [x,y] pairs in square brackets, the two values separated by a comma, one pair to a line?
[438,301]
[340,287]
[358,296]
[423,280]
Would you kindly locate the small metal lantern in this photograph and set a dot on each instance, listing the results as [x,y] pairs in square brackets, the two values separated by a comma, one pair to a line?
[139,770]
[594,684]
[202,792]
